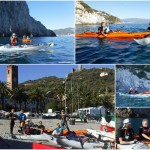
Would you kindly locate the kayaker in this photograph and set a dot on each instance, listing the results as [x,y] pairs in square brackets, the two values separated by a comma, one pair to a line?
[107,28]
[148,29]
[144,130]
[126,133]
[41,127]
[22,118]
[13,39]
[102,30]
[64,120]
[24,37]
[58,130]
[12,118]
[131,91]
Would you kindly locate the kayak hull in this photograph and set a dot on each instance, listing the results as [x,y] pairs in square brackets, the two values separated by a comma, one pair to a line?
[121,34]
[135,95]
[44,146]
[144,41]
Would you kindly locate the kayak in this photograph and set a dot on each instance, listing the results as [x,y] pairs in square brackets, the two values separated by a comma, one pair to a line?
[44,146]
[135,146]
[26,40]
[97,134]
[135,95]
[144,41]
[120,34]
[64,142]
[40,137]
[8,48]
[65,132]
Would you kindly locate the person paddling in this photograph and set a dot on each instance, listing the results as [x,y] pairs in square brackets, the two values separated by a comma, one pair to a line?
[13,39]
[131,91]
[102,30]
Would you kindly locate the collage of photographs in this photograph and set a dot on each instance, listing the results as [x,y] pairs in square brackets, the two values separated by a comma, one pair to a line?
[75,74]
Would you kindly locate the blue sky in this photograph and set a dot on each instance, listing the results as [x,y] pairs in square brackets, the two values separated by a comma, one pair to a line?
[123,9]
[53,14]
[32,72]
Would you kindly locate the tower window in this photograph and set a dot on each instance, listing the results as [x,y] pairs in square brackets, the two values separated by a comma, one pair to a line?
[8,71]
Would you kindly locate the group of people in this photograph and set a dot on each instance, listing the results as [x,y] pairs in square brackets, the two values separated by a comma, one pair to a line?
[14,39]
[127,135]
[28,127]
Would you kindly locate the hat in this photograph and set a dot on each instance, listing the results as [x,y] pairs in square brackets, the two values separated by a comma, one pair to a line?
[13,34]
[126,121]
[131,88]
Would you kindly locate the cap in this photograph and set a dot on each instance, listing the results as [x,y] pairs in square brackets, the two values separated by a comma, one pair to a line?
[126,121]
[13,34]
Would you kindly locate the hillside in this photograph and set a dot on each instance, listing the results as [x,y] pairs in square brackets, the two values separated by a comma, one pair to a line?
[15,17]
[136,20]
[87,15]
[66,31]
[86,85]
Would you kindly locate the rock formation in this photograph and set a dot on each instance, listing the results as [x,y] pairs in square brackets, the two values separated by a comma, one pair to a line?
[15,17]
[86,15]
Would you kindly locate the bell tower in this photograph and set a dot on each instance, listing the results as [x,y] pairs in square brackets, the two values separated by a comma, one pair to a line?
[12,76]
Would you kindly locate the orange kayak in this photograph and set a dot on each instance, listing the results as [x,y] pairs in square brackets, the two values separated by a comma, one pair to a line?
[26,40]
[65,132]
[120,34]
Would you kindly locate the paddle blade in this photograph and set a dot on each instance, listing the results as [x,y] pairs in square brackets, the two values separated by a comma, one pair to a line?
[144,41]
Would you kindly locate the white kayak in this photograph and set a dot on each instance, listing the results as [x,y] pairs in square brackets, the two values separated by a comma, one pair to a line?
[97,133]
[9,48]
[136,146]
[41,137]
[144,41]
[64,142]
[135,95]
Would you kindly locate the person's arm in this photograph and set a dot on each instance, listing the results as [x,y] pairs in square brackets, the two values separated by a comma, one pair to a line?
[122,142]
[145,136]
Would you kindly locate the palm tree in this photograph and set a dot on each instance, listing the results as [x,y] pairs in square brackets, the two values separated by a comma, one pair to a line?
[4,91]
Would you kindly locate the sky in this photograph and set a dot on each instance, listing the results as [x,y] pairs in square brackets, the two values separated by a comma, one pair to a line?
[53,14]
[123,9]
[33,72]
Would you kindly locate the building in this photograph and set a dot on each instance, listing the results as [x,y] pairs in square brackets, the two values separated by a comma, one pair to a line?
[12,76]
[103,74]
[79,67]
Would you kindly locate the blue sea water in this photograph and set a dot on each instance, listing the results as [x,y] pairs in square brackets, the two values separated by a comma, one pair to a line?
[124,101]
[111,51]
[61,53]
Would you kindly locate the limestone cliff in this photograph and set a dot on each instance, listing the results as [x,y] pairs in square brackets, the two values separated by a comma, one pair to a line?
[86,15]
[15,17]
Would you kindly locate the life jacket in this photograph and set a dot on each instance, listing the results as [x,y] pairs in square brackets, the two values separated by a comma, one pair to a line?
[13,41]
[146,131]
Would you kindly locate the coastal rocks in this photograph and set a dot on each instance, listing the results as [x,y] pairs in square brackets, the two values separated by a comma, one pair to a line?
[125,79]
[15,17]
[125,113]
[86,15]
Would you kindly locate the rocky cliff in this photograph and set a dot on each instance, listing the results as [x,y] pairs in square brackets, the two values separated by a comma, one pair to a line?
[15,17]
[137,77]
[86,15]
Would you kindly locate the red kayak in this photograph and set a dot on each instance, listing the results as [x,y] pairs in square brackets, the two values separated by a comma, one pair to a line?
[44,146]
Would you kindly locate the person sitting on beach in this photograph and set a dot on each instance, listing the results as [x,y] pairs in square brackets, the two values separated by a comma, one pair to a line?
[126,133]
[131,91]
[41,127]
[144,130]
[13,39]
[148,29]
[58,130]
[102,30]
[22,118]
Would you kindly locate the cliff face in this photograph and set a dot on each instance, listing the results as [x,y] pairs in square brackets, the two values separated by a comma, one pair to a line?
[86,15]
[135,77]
[15,17]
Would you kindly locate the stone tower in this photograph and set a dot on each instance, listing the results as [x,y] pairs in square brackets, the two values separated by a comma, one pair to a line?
[12,76]
[79,67]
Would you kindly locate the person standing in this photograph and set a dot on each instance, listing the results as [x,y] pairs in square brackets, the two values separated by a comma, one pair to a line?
[12,118]
[14,39]
[64,120]
[22,118]
[81,117]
